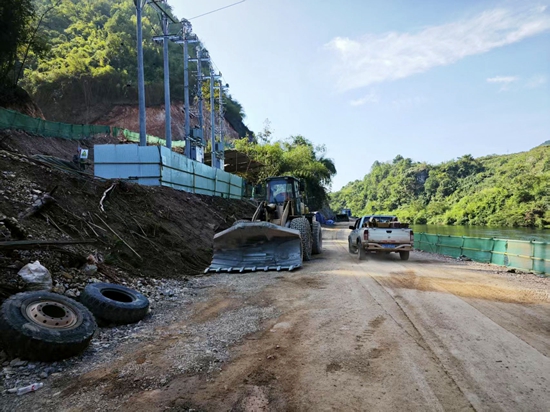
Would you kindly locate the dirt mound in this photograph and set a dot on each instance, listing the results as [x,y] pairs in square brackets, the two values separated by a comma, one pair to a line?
[127,117]
[144,231]
[20,142]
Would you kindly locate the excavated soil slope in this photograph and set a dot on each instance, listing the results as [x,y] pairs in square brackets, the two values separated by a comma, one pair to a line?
[144,231]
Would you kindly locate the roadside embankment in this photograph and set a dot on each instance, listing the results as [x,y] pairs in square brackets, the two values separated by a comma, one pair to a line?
[129,231]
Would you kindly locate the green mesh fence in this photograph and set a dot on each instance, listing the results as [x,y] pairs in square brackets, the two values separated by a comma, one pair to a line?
[527,255]
[10,119]
[152,140]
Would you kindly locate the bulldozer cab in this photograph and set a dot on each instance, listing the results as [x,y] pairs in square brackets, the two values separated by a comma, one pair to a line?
[286,188]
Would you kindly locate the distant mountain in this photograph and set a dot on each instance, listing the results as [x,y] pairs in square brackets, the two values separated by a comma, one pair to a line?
[496,190]
[547,143]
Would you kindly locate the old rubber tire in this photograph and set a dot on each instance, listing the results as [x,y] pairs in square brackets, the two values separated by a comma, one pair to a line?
[44,326]
[317,238]
[361,254]
[302,225]
[404,255]
[115,303]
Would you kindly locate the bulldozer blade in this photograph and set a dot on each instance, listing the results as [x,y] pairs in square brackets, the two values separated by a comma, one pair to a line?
[252,246]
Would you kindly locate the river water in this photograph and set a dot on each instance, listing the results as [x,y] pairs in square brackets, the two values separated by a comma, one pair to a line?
[542,235]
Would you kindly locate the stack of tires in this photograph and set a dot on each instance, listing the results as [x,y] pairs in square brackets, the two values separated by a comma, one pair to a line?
[45,326]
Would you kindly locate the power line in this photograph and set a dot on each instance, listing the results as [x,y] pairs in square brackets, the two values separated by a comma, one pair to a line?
[221,8]
[161,10]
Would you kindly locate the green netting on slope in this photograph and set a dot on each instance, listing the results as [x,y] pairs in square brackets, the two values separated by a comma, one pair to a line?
[10,119]
[153,140]
[533,256]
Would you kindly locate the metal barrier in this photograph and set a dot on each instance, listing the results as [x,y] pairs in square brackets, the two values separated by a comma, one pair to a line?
[159,166]
[532,255]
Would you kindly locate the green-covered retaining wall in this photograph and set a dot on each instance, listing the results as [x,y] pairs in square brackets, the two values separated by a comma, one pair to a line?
[532,256]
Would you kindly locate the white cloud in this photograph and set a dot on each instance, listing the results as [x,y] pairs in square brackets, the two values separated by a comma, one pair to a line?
[378,58]
[502,79]
[536,81]
[369,98]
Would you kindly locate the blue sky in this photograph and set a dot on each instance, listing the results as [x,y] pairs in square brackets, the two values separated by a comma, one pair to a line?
[430,80]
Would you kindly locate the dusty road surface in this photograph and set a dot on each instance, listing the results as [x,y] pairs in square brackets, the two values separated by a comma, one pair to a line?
[428,334]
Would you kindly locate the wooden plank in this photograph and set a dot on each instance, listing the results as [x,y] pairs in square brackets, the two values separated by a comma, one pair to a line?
[31,244]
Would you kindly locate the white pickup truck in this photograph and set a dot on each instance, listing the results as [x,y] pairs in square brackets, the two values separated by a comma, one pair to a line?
[380,234]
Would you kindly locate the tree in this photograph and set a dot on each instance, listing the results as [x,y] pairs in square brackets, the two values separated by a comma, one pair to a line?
[15,19]
[510,190]
[298,157]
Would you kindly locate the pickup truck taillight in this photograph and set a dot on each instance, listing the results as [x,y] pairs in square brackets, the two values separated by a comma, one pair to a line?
[366,234]
[412,236]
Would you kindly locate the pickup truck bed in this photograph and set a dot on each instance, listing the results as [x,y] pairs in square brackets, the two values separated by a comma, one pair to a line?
[384,235]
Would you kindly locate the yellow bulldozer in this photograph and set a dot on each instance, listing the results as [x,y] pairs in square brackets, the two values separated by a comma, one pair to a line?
[280,235]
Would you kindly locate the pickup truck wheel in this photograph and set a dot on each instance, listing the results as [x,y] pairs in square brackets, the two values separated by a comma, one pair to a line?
[404,255]
[361,254]
[352,249]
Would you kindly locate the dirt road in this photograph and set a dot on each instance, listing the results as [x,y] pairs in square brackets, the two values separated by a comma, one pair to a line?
[337,335]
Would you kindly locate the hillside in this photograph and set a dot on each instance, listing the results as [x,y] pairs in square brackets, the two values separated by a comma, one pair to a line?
[496,190]
[85,68]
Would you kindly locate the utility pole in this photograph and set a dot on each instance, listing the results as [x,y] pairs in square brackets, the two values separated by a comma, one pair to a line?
[167,105]
[187,38]
[221,113]
[215,160]
[165,38]
[198,134]
[140,4]
[199,95]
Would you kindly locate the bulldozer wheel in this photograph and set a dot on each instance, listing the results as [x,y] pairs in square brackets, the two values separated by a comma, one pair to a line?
[317,237]
[302,225]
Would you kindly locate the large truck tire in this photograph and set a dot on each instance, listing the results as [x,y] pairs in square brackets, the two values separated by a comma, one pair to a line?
[317,237]
[44,326]
[302,225]
[115,303]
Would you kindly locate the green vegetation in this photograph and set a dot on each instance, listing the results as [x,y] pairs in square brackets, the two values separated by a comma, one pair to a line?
[296,157]
[509,190]
[18,39]
[91,50]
